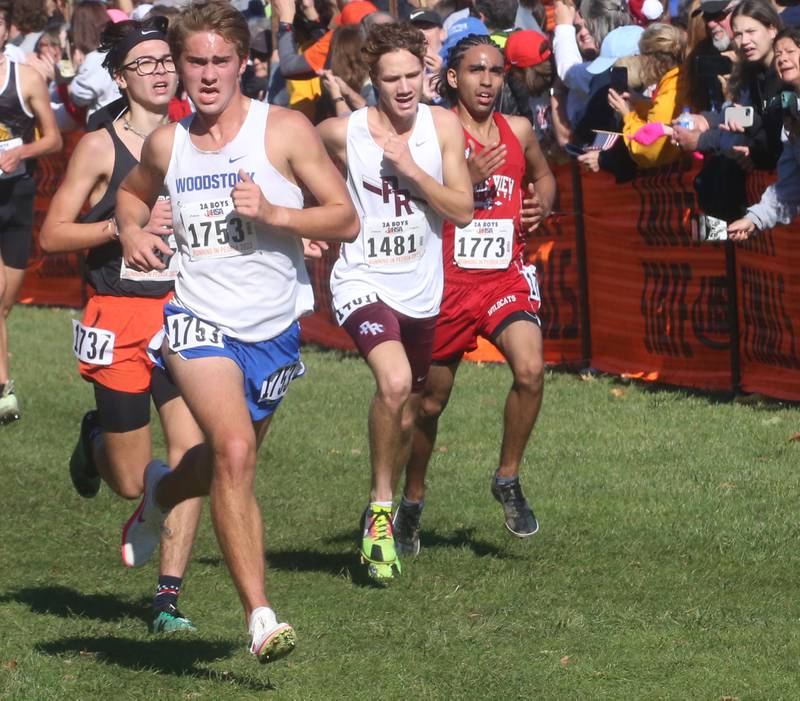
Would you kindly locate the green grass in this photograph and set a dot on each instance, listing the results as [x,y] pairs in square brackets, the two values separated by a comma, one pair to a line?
[666,566]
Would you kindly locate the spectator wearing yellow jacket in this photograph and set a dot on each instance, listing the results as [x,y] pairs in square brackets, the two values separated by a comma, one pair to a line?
[662,52]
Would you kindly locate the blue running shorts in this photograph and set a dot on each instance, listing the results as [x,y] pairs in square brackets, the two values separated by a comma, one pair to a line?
[268,366]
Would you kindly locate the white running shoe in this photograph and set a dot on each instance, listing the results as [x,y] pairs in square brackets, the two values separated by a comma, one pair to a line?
[9,407]
[270,640]
[142,532]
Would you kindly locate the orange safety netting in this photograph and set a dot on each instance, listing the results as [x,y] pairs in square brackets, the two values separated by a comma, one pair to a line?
[659,307]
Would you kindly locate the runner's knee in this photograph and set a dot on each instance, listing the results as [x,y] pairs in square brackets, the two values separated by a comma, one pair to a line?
[394,389]
[234,458]
[126,479]
[432,406]
[529,374]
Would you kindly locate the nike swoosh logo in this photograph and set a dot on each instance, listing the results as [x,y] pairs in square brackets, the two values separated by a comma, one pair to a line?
[150,31]
[233,160]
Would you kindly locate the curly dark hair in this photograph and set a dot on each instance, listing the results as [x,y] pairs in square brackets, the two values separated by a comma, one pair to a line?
[29,15]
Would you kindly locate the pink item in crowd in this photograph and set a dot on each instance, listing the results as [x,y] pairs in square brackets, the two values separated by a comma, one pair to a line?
[116,15]
[649,133]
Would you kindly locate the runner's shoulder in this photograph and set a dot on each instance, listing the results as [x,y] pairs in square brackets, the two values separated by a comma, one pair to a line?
[447,123]
[521,127]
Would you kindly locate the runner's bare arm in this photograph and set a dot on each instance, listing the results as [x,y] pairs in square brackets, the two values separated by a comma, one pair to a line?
[333,132]
[88,172]
[297,151]
[540,192]
[537,170]
[36,97]
[135,198]
[453,199]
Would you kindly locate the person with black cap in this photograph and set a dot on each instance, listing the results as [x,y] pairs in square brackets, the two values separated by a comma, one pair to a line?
[127,308]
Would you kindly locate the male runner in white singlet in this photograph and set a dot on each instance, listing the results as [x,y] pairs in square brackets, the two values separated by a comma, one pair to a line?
[490,289]
[232,339]
[405,172]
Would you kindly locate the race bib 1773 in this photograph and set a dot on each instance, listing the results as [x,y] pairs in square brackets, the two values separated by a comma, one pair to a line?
[484,244]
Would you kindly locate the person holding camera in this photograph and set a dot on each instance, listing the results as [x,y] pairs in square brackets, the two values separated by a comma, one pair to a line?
[780,203]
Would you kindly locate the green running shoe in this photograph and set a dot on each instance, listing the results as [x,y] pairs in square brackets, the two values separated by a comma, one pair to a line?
[377,545]
[82,469]
[9,407]
[169,620]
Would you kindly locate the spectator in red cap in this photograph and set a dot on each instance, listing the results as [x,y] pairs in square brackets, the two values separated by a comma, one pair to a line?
[529,62]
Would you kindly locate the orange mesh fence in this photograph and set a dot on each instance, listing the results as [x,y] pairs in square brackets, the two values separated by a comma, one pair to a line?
[657,302]
[769,308]
[52,278]
[658,306]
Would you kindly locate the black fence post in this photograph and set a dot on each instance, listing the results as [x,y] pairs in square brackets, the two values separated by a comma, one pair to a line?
[580,252]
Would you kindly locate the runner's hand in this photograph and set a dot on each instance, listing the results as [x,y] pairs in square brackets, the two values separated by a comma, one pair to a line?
[484,164]
[532,213]
[396,151]
[138,249]
[160,218]
[249,200]
[313,250]
[9,160]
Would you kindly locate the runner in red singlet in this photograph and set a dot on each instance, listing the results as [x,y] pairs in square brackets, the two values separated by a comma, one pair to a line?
[490,289]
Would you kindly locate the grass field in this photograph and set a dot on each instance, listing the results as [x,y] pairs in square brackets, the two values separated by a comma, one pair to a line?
[666,566]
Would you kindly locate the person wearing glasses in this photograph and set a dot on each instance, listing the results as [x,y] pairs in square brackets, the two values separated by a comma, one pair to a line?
[127,308]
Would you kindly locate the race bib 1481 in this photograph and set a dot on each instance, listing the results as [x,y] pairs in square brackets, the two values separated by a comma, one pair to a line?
[394,241]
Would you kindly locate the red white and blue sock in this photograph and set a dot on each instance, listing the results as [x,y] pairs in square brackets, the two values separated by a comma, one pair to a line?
[167,592]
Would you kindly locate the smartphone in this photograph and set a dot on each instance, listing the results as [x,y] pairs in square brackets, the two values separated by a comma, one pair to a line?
[619,79]
[574,150]
[790,105]
[742,115]
[713,65]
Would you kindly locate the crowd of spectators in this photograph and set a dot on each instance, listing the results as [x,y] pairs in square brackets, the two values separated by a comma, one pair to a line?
[619,85]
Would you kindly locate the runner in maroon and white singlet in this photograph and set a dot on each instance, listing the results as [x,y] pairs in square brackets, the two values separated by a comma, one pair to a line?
[490,289]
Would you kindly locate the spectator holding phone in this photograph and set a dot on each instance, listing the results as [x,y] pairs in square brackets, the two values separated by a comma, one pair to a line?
[780,203]
[663,49]
[753,82]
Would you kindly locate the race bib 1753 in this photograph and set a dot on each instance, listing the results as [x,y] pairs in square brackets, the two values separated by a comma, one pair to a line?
[214,230]
[185,331]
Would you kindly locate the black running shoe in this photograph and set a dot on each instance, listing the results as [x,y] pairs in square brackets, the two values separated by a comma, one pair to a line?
[520,519]
[406,528]
[82,469]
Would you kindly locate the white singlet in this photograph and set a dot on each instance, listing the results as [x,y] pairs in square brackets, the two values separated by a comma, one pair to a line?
[241,276]
[398,253]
